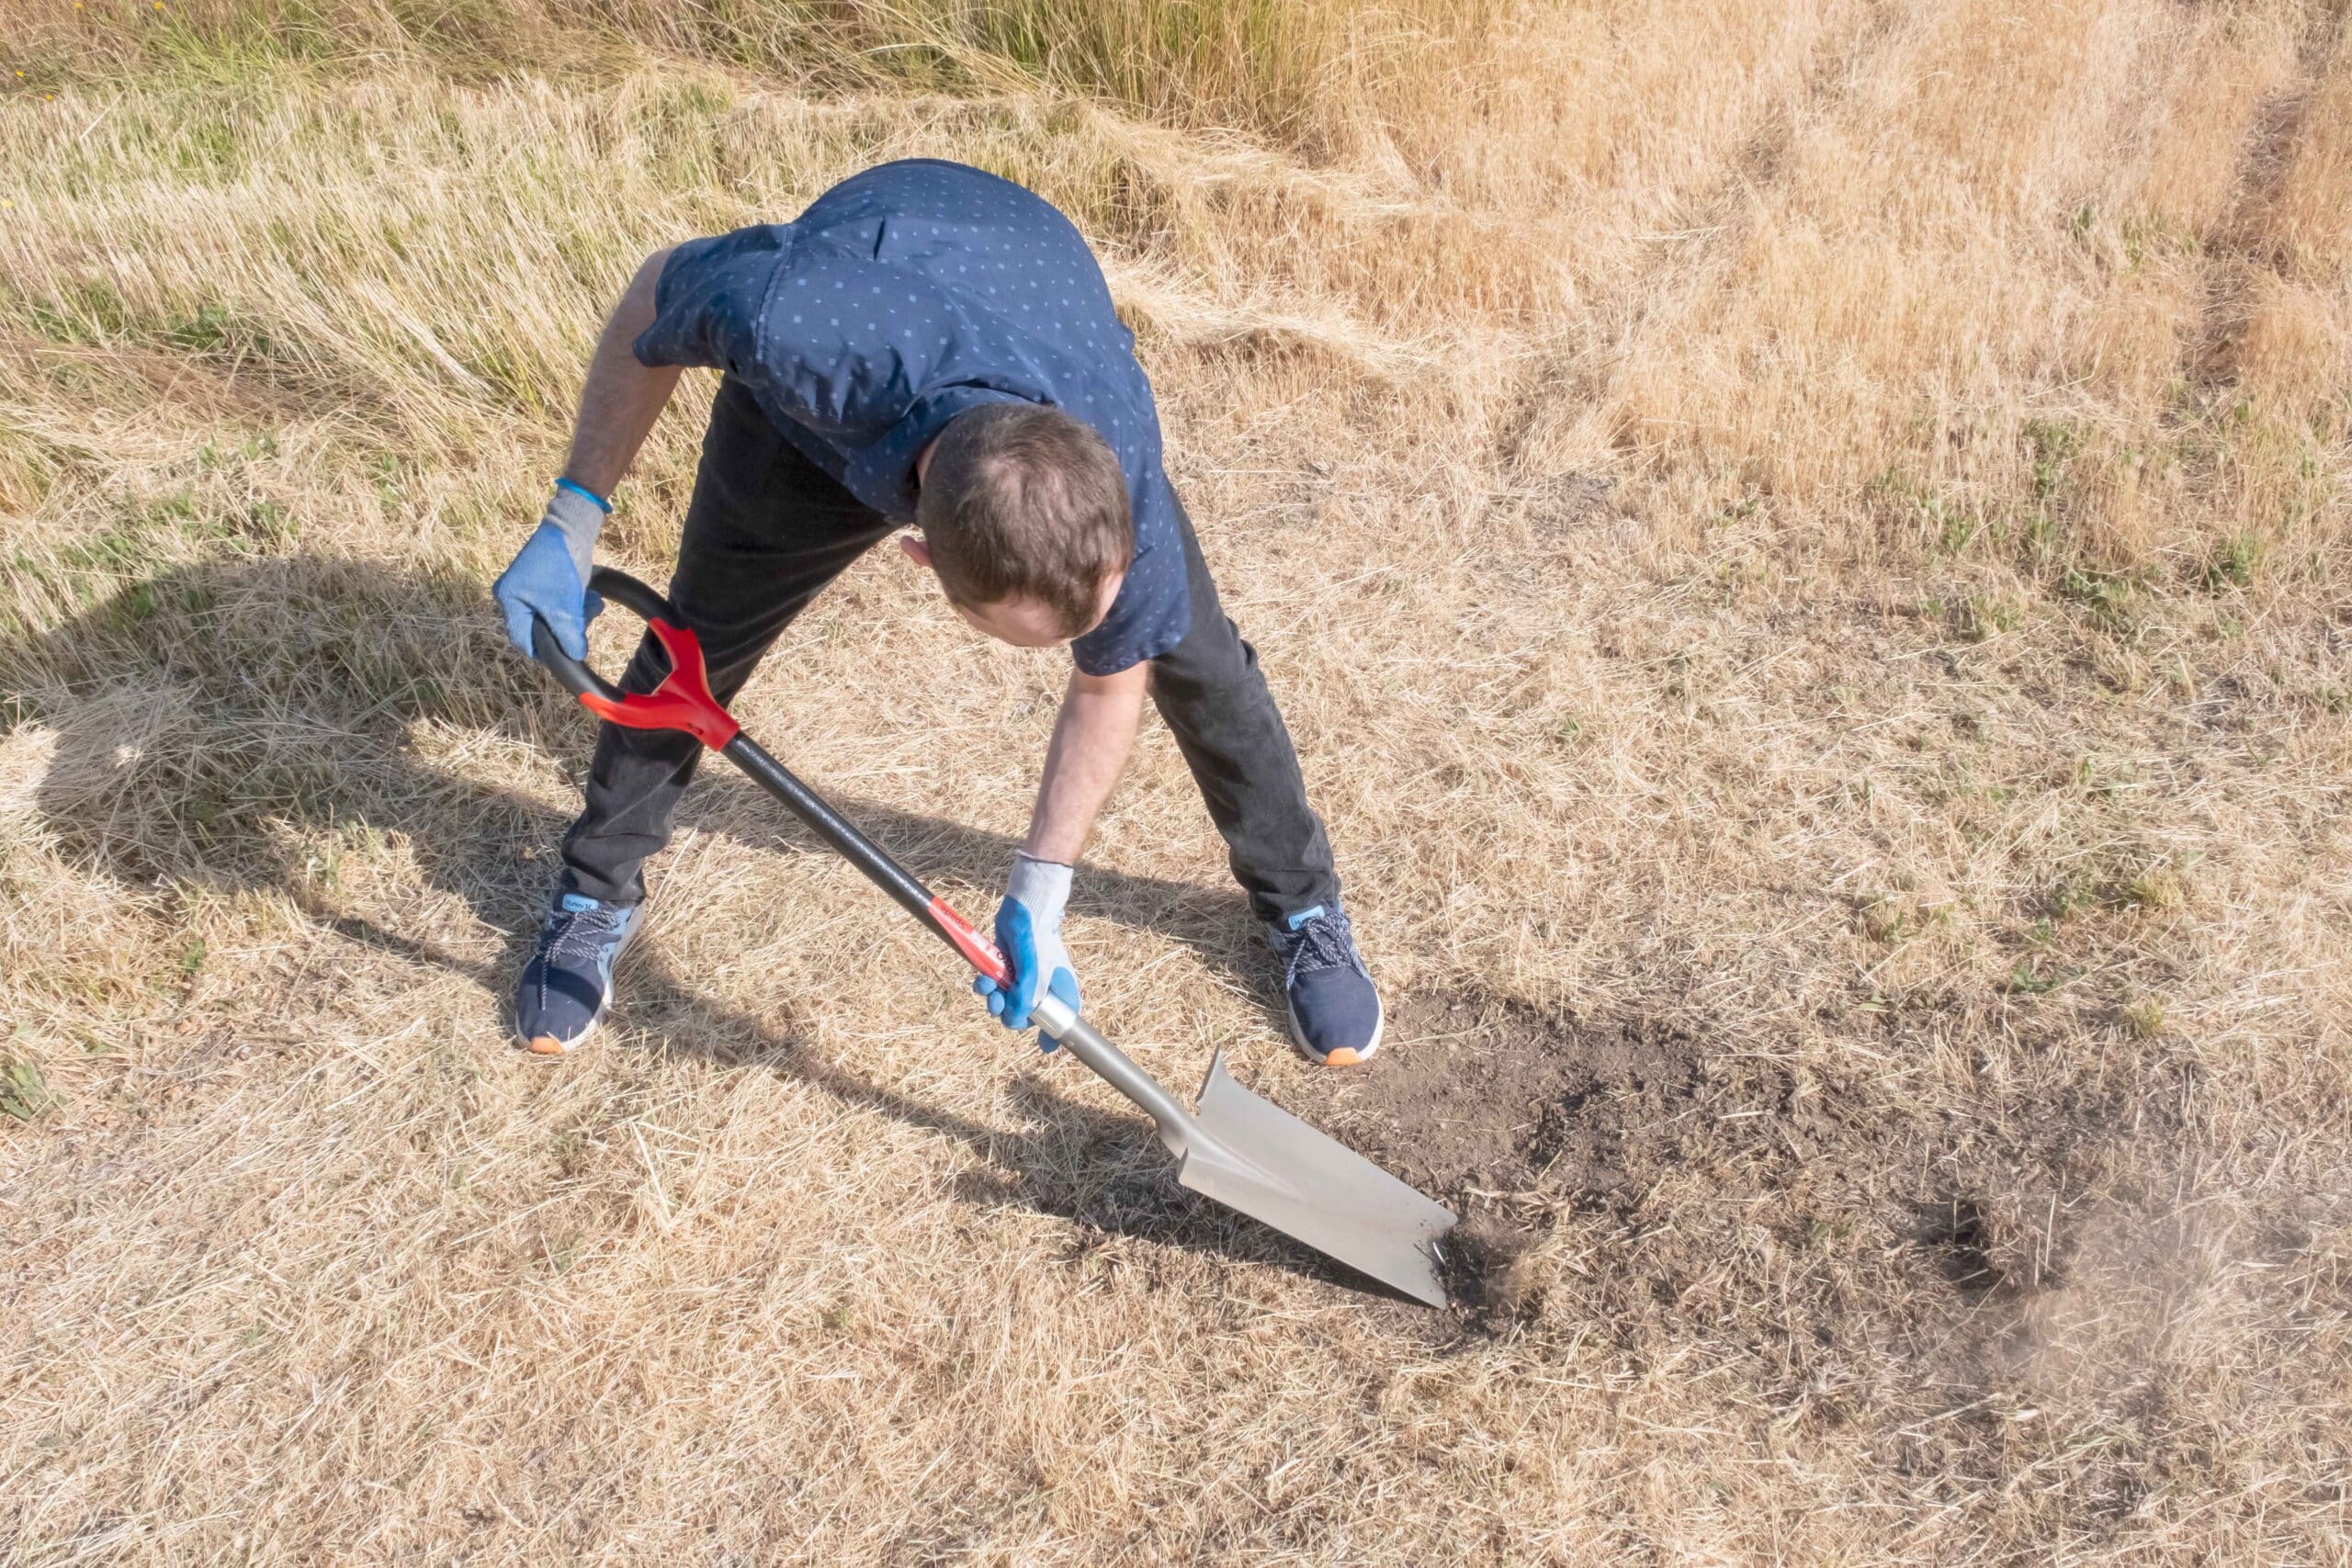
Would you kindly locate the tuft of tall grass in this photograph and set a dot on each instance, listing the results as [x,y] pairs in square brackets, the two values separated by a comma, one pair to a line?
[1321,75]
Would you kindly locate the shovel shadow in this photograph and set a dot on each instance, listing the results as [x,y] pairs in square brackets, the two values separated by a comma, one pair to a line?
[1103,1173]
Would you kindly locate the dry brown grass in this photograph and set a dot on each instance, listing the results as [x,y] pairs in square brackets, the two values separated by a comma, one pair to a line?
[1805,544]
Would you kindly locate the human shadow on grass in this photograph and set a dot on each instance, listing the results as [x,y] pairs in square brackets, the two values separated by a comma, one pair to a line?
[207,708]
[238,725]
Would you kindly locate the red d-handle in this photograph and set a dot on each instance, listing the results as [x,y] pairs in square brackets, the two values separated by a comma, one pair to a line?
[682,700]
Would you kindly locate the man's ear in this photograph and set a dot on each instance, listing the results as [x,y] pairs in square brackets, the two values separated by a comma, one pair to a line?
[917,550]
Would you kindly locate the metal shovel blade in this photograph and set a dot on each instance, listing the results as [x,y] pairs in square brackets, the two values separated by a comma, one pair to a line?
[1254,1156]
[1269,1165]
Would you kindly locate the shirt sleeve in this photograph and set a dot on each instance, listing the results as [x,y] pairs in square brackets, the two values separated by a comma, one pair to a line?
[708,302]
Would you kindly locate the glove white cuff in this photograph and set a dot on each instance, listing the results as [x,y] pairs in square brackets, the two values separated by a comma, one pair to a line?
[579,519]
[1042,887]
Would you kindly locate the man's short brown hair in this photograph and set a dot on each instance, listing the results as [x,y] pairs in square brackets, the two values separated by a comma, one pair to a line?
[1023,501]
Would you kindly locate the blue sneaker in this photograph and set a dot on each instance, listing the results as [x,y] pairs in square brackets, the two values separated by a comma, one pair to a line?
[1335,1013]
[568,984]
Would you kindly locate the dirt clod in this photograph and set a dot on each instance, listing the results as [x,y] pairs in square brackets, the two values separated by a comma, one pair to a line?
[1488,1271]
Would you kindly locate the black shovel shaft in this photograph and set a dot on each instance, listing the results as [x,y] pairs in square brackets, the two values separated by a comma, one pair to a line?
[836,830]
[1108,1062]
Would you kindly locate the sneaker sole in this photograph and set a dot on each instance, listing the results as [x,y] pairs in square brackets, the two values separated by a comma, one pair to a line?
[1345,1055]
[548,1044]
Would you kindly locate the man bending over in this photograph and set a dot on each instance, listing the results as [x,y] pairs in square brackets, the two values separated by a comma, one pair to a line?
[926,344]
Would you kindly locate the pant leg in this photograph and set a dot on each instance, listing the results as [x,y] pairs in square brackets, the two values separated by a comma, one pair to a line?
[766,529]
[1214,697]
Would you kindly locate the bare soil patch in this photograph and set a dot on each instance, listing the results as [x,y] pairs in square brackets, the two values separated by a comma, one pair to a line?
[1527,1121]
[1480,1094]
[1514,1116]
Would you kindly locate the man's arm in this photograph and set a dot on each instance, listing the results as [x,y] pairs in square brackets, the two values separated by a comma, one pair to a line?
[1092,736]
[1095,731]
[618,404]
[621,399]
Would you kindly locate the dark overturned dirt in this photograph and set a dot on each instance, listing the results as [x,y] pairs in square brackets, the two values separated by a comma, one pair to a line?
[1508,1114]
[1522,1120]
[1482,1094]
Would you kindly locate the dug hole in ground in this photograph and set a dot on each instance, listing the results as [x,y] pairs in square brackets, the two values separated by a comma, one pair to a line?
[1804,549]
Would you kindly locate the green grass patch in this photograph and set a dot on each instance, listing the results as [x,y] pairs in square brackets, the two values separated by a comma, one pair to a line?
[2028,979]
[2051,446]
[78,311]
[23,1092]
[121,558]
[1986,615]
[2233,563]
[2106,595]
[91,313]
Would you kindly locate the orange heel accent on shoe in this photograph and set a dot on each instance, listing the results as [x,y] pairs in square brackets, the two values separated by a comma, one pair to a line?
[543,1046]
[1345,1056]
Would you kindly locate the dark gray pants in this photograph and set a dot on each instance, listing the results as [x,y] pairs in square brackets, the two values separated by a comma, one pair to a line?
[768,530]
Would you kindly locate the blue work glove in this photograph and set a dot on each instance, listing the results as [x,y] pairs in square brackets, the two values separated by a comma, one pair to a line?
[550,576]
[1029,934]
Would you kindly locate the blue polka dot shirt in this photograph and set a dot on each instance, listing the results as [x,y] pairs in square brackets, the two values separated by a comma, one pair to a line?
[904,296]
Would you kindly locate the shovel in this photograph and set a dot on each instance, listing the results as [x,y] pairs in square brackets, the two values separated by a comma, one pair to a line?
[1237,1149]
